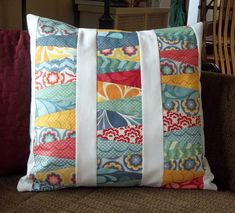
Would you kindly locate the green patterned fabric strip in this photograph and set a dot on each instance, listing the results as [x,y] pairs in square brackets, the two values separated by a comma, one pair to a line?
[65,92]
[175,150]
[128,106]
[112,149]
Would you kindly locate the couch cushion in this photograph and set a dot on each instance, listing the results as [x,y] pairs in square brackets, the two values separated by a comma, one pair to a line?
[14,100]
[113,200]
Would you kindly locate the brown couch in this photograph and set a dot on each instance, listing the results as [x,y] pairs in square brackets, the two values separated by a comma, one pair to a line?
[219,114]
[219,111]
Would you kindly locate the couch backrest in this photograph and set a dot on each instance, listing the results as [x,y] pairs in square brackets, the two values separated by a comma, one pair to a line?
[14,100]
[218,96]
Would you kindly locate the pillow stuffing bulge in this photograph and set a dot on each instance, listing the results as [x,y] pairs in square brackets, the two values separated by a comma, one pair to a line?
[122,152]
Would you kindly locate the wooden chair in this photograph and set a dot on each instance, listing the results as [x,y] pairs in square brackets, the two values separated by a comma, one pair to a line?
[222,35]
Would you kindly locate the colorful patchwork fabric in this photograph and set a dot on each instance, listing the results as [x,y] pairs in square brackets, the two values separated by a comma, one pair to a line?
[121,147]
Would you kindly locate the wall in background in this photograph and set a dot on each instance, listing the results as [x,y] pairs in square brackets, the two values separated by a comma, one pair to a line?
[10,11]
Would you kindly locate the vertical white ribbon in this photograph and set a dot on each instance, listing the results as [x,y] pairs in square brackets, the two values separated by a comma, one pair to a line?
[86,162]
[153,157]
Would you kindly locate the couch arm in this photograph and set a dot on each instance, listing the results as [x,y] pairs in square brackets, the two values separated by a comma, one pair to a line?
[218,99]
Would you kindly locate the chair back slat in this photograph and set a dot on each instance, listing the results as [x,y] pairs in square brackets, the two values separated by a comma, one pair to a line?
[226,37]
[232,43]
[215,12]
[220,37]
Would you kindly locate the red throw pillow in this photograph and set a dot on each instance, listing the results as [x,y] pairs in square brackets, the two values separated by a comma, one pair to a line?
[14,100]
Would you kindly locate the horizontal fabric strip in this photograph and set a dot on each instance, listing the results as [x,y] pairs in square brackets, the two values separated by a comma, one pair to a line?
[58,65]
[111,119]
[127,53]
[60,149]
[111,91]
[116,40]
[176,121]
[60,120]
[172,67]
[171,176]
[112,149]
[153,158]
[186,56]
[128,78]
[107,65]
[66,175]
[48,53]
[65,92]
[47,79]
[59,41]
[47,163]
[86,160]
[176,150]
[122,134]
[132,106]
[190,135]
[190,81]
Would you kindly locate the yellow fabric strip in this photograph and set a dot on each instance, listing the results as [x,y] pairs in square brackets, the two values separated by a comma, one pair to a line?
[172,176]
[126,54]
[110,91]
[190,81]
[60,176]
[61,120]
[47,53]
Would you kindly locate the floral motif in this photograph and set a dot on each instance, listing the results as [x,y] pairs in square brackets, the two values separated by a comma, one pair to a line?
[48,136]
[170,165]
[69,134]
[42,186]
[106,52]
[171,106]
[187,68]
[110,133]
[54,179]
[52,78]
[67,32]
[191,163]
[133,162]
[47,30]
[113,165]
[129,134]
[168,68]
[130,50]
[122,138]
[170,40]
[190,106]
[189,45]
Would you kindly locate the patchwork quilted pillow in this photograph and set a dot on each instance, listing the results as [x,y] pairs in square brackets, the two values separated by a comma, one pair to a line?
[115,108]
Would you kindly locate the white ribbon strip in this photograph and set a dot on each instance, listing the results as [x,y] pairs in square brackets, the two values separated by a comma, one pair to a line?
[153,162]
[86,162]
